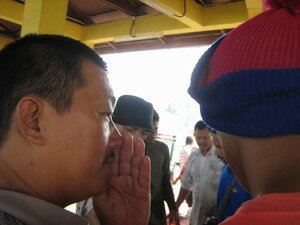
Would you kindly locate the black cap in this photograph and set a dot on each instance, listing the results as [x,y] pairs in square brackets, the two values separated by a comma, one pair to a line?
[133,111]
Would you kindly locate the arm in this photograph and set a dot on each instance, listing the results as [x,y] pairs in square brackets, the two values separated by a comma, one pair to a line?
[186,182]
[126,199]
[168,190]
[183,193]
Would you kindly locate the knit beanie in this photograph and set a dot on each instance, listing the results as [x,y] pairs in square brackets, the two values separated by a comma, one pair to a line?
[133,111]
[248,82]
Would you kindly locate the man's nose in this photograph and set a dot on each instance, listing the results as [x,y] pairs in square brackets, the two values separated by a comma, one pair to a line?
[115,138]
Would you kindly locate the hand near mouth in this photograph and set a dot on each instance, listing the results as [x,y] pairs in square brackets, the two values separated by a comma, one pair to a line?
[126,199]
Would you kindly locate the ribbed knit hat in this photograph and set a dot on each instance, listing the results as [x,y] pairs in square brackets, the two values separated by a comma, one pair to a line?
[248,82]
[133,111]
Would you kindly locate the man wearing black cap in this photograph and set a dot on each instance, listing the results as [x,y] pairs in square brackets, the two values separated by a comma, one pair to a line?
[248,88]
[131,115]
[161,188]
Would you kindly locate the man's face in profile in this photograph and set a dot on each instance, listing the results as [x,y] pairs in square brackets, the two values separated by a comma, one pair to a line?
[82,139]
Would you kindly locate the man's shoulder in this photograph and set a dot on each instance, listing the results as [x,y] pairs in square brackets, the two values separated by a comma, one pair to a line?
[161,144]
[194,152]
[7,219]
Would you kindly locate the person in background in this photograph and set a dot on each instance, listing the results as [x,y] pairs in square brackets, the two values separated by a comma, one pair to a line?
[161,188]
[228,181]
[183,156]
[58,143]
[247,85]
[202,172]
[132,115]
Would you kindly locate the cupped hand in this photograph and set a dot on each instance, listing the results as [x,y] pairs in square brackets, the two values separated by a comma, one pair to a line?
[126,199]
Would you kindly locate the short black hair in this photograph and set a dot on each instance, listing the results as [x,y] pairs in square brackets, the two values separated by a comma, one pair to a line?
[200,125]
[46,66]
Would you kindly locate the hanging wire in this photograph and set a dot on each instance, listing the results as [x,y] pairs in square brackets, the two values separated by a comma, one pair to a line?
[184,10]
[131,28]
[178,16]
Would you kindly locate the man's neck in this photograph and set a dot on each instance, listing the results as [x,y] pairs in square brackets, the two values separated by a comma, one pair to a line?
[11,180]
[204,152]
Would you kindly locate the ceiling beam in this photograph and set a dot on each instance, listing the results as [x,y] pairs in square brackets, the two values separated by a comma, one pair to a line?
[44,17]
[196,19]
[11,11]
[122,5]
[4,41]
[107,32]
[224,16]
[254,7]
[185,11]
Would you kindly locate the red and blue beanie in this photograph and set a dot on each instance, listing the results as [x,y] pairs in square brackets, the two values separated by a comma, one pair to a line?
[248,82]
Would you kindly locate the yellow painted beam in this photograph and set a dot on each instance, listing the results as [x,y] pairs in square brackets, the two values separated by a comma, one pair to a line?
[145,25]
[73,30]
[4,41]
[197,18]
[44,16]
[11,11]
[224,16]
[191,15]
[254,7]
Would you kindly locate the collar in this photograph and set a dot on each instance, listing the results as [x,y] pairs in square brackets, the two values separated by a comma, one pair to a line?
[211,151]
[31,210]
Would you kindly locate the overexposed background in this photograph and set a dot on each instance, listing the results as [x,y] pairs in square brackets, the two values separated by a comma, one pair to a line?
[161,77]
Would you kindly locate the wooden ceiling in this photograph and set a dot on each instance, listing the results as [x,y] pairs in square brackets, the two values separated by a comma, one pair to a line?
[126,25]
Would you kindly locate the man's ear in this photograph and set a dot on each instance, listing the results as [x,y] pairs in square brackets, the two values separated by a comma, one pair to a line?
[28,114]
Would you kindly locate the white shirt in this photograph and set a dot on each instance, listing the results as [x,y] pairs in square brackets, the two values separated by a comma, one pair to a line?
[202,176]
[184,154]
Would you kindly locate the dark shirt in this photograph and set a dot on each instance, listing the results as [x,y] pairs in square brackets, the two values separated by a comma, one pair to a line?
[161,188]
[7,219]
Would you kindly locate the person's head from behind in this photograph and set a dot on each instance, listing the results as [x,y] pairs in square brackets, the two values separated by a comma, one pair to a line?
[189,140]
[203,136]
[133,115]
[247,85]
[56,132]
[152,134]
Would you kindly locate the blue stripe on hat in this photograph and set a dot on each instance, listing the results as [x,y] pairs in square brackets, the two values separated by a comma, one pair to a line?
[251,103]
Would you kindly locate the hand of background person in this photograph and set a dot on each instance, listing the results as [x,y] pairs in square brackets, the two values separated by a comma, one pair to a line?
[174,217]
[126,199]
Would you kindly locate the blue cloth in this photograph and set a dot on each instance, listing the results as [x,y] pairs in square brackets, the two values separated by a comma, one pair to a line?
[237,197]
